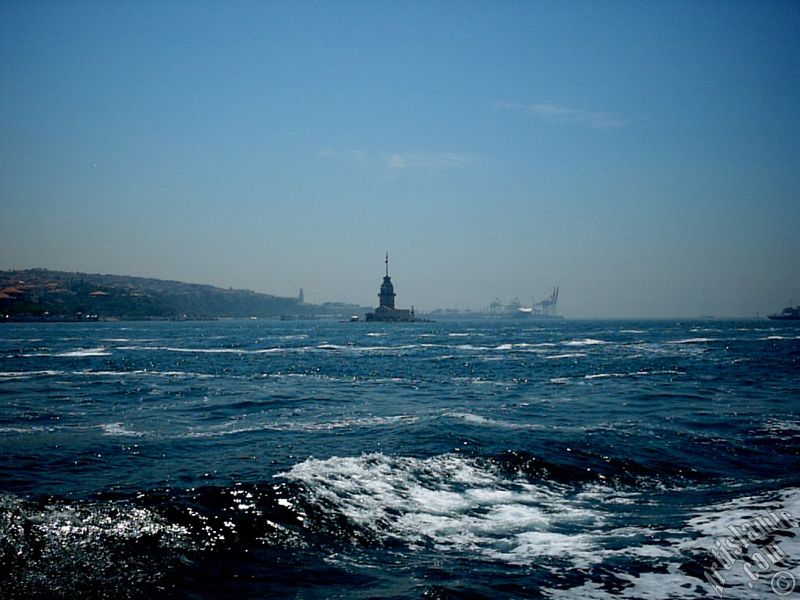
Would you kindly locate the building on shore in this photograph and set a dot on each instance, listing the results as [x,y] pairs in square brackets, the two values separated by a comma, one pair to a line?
[386,310]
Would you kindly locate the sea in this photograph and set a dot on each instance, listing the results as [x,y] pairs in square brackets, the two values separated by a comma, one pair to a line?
[458,459]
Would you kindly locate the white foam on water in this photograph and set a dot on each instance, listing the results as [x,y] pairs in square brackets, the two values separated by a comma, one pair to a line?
[207,350]
[525,347]
[474,419]
[236,427]
[632,374]
[471,347]
[720,522]
[178,374]
[469,418]
[585,342]
[671,348]
[694,340]
[85,353]
[29,374]
[119,430]
[45,428]
[462,505]
[566,355]
[142,373]
[145,348]
[480,380]
[645,586]
[698,541]
[452,504]
[383,348]
[31,429]
[331,347]
[230,428]
[361,349]
[355,422]
[391,380]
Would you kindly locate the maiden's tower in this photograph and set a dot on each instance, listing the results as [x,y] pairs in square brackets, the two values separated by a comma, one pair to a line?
[386,310]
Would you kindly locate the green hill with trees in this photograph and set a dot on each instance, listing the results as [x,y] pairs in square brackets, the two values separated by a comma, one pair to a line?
[41,293]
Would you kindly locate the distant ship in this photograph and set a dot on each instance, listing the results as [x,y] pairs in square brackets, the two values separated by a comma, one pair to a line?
[790,313]
[546,309]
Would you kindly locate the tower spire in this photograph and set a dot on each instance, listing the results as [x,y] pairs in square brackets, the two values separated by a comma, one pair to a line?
[387,263]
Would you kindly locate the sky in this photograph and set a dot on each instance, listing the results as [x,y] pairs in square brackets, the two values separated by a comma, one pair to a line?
[642,156]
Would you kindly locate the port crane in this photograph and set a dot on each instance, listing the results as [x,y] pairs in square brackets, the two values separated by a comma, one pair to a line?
[549,306]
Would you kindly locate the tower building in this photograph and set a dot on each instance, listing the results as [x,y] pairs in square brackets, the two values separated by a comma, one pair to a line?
[386,310]
[386,294]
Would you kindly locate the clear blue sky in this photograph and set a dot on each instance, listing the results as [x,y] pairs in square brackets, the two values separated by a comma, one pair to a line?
[644,156]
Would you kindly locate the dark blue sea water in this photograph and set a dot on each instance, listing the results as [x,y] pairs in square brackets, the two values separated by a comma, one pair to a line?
[493,459]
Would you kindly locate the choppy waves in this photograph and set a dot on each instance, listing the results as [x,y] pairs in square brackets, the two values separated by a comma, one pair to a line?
[450,504]
[494,460]
[501,514]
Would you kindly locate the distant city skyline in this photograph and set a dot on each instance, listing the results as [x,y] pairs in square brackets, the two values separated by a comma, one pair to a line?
[641,156]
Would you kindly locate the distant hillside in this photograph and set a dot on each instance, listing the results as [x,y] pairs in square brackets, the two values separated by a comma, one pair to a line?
[40,292]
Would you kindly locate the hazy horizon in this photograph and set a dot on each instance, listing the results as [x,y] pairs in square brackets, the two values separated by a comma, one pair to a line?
[641,156]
